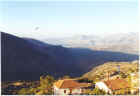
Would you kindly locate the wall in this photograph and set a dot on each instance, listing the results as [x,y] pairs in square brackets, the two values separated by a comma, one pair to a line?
[58,91]
[103,86]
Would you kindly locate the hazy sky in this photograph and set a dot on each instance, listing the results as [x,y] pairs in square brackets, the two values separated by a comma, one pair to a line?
[55,18]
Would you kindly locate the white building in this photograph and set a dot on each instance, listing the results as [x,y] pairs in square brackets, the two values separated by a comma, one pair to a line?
[101,85]
[113,86]
[68,86]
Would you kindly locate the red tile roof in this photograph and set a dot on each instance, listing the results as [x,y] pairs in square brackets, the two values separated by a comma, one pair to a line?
[69,83]
[116,84]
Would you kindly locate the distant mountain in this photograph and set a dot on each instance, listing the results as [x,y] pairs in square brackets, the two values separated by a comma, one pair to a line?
[121,42]
[74,41]
[125,42]
[27,59]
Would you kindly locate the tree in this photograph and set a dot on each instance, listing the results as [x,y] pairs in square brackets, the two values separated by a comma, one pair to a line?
[45,87]
[95,91]
[46,83]
[85,80]
[123,75]
[121,92]
[25,91]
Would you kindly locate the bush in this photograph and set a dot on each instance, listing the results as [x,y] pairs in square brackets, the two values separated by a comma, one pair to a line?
[95,91]
[46,84]
[45,87]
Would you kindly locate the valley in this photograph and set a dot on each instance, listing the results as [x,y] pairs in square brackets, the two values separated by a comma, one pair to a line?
[25,60]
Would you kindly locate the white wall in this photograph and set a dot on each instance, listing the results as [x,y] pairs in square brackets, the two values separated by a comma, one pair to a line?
[103,86]
[77,91]
[58,91]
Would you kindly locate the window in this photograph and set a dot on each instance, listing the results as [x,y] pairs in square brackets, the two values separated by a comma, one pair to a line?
[70,91]
[82,90]
[64,91]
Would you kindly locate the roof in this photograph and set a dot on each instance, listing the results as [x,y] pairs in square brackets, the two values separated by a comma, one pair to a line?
[69,83]
[116,84]
[85,84]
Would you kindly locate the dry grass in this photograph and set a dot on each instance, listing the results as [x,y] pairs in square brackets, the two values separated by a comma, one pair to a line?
[101,71]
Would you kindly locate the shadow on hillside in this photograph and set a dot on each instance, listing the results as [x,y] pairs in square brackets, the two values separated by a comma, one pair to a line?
[24,59]
[91,58]
[83,59]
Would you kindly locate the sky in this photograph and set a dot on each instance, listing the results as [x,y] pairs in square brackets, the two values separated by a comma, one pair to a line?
[59,18]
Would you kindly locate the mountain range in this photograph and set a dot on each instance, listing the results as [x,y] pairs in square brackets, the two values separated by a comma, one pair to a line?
[121,42]
[28,58]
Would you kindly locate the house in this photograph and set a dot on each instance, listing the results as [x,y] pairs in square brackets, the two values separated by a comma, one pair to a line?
[114,86]
[69,86]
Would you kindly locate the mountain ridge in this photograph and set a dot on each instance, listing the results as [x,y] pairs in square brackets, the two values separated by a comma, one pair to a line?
[114,42]
[24,58]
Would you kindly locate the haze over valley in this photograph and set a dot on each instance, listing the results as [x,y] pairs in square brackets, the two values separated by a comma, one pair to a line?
[119,42]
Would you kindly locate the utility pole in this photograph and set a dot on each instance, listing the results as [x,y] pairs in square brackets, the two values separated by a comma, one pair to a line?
[118,68]
[108,75]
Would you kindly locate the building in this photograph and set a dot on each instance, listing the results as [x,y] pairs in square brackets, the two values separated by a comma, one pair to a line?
[69,86]
[114,86]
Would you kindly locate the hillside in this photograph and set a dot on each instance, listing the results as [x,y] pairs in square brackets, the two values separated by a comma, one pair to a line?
[101,71]
[27,59]
[23,60]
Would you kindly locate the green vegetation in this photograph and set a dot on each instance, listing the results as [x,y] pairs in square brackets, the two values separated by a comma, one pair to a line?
[45,84]
[95,91]
[25,91]
[85,80]
[45,87]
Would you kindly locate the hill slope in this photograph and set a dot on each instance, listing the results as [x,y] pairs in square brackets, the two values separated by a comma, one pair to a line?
[27,59]
[24,60]
[101,71]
